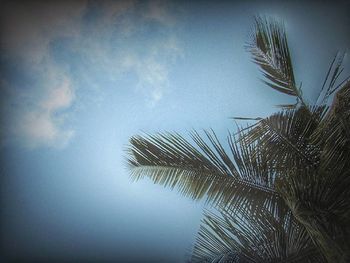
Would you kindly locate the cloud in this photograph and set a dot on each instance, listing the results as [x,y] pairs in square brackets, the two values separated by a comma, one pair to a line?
[39,128]
[42,124]
[28,31]
[88,42]
[60,97]
[131,38]
[152,76]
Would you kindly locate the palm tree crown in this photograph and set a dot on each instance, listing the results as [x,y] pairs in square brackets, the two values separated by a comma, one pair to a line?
[289,170]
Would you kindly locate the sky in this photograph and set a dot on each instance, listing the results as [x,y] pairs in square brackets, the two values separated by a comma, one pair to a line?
[79,78]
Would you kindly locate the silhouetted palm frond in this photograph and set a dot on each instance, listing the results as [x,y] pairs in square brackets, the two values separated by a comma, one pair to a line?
[319,201]
[330,84]
[285,137]
[269,49]
[225,176]
[333,135]
[232,236]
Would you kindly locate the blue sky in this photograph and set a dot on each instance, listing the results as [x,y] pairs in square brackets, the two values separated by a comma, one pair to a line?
[79,78]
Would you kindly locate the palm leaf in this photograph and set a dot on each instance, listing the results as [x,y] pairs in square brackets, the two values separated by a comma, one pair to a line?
[207,170]
[269,49]
[246,118]
[333,135]
[319,200]
[333,74]
[285,137]
[237,236]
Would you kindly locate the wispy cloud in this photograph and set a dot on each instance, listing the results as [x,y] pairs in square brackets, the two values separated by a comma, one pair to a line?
[108,38]
[152,76]
[131,37]
[42,126]
[39,121]
[28,30]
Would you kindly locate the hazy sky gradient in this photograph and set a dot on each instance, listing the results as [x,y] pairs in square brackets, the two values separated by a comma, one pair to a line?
[79,78]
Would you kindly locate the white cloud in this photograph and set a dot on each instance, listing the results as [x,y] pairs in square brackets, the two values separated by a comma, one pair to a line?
[42,125]
[59,97]
[40,129]
[28,29]
[152,69]
[152,76]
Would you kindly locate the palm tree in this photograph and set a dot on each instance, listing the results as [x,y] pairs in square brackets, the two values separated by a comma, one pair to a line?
[298,157]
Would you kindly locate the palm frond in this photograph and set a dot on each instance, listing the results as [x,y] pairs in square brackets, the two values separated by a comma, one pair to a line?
[237,236]
[252,164]
[319,200]
[270,51]
[285,137]
[333,135]
[333,74]
[205,170]
[247,118]
[331,80]
[286,106]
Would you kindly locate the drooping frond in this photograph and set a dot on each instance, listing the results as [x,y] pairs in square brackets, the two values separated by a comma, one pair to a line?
[254,166]
[269,49]
[237,236]
[285,137]
[207,170]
